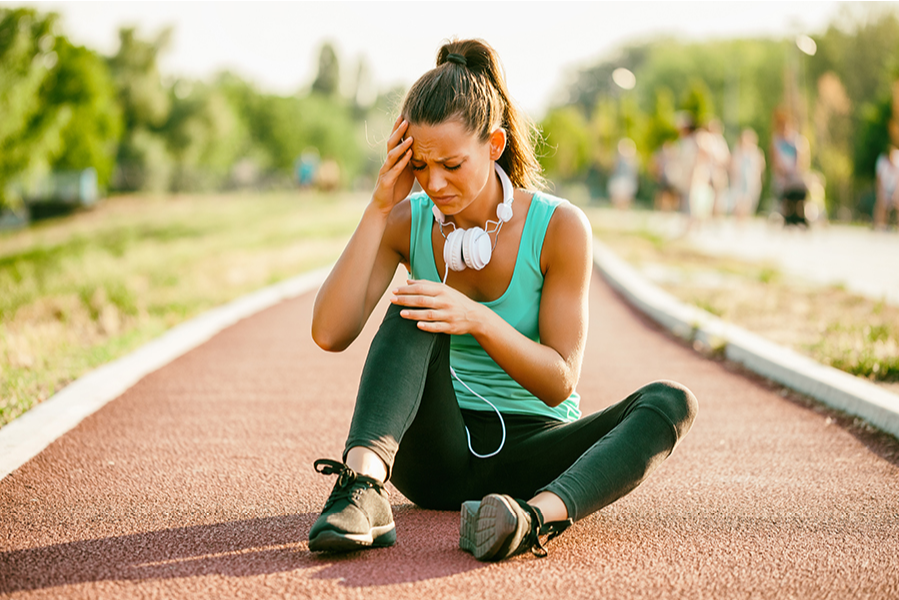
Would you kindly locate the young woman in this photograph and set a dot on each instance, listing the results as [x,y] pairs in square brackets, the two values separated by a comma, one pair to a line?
[468,395]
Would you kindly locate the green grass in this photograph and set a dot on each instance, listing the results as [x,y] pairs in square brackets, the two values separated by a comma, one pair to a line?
[79,292]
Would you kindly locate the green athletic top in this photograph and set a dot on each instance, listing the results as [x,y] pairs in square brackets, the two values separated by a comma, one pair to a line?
[519,306]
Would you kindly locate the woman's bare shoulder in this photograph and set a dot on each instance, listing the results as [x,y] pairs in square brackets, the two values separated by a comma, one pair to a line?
[568,235]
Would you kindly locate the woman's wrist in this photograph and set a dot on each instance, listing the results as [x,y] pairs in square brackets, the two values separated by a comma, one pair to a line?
[376,211]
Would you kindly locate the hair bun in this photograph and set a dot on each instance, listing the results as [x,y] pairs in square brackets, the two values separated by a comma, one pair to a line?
[458,59]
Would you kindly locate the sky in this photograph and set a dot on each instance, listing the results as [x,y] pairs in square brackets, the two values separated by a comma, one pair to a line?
[275,44]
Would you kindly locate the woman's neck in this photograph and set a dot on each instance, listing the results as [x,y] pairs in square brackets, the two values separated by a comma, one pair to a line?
[483,209]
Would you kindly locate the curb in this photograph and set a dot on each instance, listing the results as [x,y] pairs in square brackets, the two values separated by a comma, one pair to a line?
[28,435]
[828,385]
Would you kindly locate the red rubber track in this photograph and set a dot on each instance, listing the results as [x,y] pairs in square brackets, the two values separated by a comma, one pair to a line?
[198,483]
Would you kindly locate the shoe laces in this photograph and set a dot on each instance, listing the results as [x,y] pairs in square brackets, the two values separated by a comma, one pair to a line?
[349,483]
[538,527]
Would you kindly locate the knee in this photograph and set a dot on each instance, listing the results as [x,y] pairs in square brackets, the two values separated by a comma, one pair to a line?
[675,402]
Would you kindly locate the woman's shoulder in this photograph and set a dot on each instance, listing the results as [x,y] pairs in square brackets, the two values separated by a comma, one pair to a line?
[569,235]
[568,223]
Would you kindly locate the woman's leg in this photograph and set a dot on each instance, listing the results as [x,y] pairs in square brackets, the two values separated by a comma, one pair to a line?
[407,414]
[647,427]
[575,469]
[596,460]
[405,393]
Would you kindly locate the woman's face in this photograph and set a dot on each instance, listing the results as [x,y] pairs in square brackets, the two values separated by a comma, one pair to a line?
[451,164]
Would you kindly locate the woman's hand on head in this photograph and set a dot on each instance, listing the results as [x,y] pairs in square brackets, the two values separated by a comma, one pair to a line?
[395,178]
[437,307]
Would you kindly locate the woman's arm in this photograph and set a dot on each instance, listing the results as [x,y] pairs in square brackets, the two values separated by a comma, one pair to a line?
[359,278]
[365,268]
[549,369]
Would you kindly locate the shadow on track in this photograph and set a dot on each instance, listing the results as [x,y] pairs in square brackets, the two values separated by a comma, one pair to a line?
[427,548]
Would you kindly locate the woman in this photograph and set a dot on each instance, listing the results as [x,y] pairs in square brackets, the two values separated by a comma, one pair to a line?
[467,395]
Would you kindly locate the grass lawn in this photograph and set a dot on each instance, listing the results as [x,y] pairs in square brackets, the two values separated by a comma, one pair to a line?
[78,292]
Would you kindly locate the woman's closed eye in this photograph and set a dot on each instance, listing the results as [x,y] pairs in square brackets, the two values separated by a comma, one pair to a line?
[447,167]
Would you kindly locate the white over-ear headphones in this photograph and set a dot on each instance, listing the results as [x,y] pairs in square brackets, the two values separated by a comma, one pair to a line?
[472,247]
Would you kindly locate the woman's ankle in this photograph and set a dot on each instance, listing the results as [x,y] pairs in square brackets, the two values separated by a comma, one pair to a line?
[551,507]
[365,462]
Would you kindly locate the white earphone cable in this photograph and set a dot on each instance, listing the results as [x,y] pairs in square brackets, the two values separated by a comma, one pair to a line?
[499,414]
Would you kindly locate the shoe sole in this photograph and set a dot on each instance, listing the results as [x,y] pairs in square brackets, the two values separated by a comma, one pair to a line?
[468,524]
[334,541]
[495,523]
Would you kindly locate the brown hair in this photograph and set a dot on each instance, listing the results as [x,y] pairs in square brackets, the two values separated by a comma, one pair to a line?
[468,84]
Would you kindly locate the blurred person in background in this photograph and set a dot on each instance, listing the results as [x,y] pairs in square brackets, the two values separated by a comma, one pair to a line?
[623,183]
[694,171]
[663,169]
[719,159]
[467,398]
[746,170]
[790,159]
[887,186]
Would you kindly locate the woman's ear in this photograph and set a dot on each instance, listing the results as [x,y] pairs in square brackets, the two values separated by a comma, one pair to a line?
[497,143]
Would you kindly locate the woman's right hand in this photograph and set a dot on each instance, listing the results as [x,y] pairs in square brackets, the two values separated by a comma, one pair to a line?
[395,178]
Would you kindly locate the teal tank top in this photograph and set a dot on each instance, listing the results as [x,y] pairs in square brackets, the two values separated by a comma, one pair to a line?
[519,306]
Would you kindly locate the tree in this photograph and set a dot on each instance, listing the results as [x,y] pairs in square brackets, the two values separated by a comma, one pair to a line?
[90,138]
[205,136]
[327,81]
[142,158]
[29,129]
[697,101]
[565,149]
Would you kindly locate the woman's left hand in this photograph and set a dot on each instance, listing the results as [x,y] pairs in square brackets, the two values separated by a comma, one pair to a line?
[437,307]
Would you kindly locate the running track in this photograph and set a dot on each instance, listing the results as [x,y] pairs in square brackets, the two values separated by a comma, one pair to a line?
[198,482]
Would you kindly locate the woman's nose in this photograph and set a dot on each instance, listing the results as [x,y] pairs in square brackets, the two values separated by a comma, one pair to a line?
[436,180]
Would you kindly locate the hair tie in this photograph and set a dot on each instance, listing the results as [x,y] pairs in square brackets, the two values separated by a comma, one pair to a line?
[456,58]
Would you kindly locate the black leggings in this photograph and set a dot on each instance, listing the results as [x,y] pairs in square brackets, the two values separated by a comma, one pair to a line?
[406,412]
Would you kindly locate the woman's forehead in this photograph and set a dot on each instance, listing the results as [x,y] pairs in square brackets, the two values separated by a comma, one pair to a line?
[443,140]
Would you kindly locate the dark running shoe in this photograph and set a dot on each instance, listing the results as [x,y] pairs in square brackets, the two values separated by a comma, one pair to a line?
[357,514]
[468,525]
[507,527]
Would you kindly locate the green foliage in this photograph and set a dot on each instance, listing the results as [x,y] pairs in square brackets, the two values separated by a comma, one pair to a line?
[697,101]
[135,67]
[205,136]
[872,138]
[660,126]
[90,138]
[565,147]
[30,127]
[283,127]
[143,161]
[327,81]
[862,47]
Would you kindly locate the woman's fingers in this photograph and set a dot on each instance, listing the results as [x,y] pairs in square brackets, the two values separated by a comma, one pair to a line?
[399,130]
[398,158]
[422,314]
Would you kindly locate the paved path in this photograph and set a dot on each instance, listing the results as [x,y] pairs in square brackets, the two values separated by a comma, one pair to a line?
[862,260]
[198,482]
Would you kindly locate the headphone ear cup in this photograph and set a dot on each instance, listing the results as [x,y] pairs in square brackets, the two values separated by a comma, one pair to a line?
[504,212]
[476,248]
[452,250]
